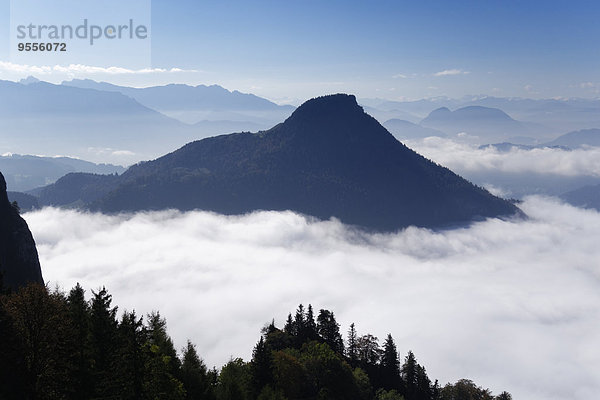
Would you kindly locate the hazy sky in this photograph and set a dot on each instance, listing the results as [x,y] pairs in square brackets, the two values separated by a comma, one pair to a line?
[389,49]
[512,305]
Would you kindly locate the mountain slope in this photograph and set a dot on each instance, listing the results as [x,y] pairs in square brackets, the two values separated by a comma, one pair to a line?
[586,197]
[19,261]
[573,140]
[329,159]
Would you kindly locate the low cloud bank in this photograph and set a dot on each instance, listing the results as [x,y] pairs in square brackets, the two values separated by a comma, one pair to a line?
[512,305]
[464,158]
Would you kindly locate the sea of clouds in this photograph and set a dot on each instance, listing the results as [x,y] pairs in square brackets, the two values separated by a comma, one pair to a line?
[511,304]
[464,157]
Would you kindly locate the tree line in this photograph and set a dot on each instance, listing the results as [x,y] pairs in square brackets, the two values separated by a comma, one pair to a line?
[58,345]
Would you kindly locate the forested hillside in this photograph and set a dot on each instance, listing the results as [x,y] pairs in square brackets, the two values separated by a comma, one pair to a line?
[57,345]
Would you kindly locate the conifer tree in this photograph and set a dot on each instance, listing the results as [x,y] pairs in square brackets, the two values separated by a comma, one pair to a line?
[131,358]
[409,373]
[352,349]
[289,327]
[329,330]
[261,367]
[163,366]
[194,375]
[390,365]
[103,323]
[79,312]
[311,326]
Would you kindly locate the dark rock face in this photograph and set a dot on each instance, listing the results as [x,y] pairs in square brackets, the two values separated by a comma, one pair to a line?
[19,261]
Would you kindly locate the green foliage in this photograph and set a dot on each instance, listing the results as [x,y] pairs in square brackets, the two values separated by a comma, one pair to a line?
[465,389]
[194,375]
[234,381]
[64,347]
[363,384]
[329,331]
[383,394]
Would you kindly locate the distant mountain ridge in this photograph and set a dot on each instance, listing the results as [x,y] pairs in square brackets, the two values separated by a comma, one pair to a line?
[194,104]
[42,118]
[402,130]
[328,159]
[488,124]
[27,172]
[577,139]
[555,115]
[110,126]
[586,197]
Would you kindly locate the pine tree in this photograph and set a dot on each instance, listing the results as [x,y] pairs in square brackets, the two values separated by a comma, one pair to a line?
[103,321]
[409,373]
[261,373]
[80,314]
[423,391]
[194,375]
[163,366]
[131,358]
[289,327]
[310,325]
[352,349]
[390,365]
[300,325]
[329,330]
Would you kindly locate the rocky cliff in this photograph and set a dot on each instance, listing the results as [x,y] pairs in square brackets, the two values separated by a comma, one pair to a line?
[19,261]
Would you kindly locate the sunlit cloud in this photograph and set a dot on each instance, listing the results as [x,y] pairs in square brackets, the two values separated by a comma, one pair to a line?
[450,72]
[509,304]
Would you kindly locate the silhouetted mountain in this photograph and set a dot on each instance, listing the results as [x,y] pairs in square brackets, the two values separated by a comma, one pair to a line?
[26,202]
[487,124]
[19,261]
[587,197]
[192,104]
[25,172]
[328,159]
[407,130]
[573,140]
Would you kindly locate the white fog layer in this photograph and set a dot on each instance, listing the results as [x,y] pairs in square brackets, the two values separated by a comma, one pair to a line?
[464,157]
[512,305]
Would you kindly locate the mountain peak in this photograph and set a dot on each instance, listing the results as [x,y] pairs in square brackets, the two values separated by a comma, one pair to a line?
[331,105]
[30,79]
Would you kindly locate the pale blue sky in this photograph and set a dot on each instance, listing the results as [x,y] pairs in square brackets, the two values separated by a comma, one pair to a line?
[390,49]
